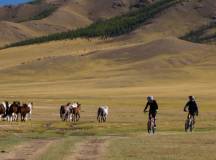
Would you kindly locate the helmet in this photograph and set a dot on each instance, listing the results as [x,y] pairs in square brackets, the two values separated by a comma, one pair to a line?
[191,98]
[150,98]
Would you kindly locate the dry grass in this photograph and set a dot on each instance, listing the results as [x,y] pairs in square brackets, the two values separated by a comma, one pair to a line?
[119,73]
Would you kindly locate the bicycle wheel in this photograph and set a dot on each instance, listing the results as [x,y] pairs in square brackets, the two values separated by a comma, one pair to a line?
[186,125]
[149,127]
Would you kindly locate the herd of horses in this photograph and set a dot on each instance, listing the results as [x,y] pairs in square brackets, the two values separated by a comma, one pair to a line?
[69,112]
[11,112]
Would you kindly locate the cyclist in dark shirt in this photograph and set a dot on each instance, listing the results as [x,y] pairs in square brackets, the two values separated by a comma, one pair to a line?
[191,107]
[153,108]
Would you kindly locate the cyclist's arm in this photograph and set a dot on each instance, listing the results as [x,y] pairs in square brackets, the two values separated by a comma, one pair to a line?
[147,104]
[186,106]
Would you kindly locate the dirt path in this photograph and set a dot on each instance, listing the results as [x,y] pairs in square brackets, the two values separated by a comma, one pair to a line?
[91,149]
[27,151]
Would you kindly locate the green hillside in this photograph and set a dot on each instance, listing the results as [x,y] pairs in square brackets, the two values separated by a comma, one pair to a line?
[109,28]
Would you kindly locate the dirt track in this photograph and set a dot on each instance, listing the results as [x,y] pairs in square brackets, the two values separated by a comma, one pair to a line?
[91,149]
[27,151]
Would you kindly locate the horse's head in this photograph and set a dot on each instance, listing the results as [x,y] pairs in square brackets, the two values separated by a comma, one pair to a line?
[16,103]
[30,105]
[24,105]
[78,105]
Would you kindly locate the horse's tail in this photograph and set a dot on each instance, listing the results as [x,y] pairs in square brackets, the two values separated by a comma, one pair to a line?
[98,112]
[61,111]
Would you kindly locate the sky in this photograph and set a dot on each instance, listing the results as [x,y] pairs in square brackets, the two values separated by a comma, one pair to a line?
[7,2]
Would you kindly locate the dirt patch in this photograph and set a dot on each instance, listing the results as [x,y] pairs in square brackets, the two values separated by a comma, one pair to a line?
[27,151]
[92,149]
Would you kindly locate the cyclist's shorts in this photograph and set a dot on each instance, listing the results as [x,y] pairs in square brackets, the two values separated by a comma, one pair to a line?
[153,114]
[192,113]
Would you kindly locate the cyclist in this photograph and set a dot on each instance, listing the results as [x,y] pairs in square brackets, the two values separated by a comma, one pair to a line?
[153,108]
[191,107]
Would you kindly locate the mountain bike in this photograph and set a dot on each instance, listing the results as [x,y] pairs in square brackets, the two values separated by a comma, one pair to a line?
[151,125]
[189,123]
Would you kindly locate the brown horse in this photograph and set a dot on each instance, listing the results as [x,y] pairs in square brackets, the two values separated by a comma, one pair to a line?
[24,110]
[75,112]
[65,111]
[13,111]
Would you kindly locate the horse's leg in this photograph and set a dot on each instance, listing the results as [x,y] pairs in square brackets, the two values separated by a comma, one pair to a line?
[70,118]
[77,117]
[10,118]
[73,118]
[17,117]
[26,117]
[23,117]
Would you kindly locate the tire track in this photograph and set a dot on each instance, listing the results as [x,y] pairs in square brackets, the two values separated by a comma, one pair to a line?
[27,151]
[91,149]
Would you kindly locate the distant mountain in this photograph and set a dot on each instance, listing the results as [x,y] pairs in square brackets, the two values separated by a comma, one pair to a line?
[42,17]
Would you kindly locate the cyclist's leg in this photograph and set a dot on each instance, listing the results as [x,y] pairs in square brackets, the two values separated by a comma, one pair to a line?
[149,119]
[193,115]
[188,116]
[154,116]
[149,116]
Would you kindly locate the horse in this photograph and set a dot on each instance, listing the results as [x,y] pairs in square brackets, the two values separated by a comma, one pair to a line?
[65,111]
[102,113]
[30,106]
[3,110]
[24,110]
[13,111]
[75,112]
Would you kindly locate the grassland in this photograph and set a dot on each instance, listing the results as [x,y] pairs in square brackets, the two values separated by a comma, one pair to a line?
[119,74]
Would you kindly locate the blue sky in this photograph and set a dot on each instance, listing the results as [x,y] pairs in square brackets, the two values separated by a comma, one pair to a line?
[6,2]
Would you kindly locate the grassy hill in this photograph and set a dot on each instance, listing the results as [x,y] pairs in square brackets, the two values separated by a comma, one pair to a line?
[113,27]
[47,17]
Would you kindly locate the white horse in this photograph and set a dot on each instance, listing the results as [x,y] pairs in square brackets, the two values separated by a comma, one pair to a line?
[5,106]
[102,113]
[72,115]
[29,115]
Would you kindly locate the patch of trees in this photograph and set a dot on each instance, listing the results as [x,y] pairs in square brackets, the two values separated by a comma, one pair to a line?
[107,28]
[199,35]
[45,13]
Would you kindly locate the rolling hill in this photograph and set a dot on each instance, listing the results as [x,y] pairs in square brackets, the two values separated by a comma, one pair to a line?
[52,16]
[151,53]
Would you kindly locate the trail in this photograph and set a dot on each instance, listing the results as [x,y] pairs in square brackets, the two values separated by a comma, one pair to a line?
[27,151]
[93,148]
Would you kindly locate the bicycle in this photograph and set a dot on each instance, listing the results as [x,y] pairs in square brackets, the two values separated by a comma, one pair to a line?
[189,123]
[151,125]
